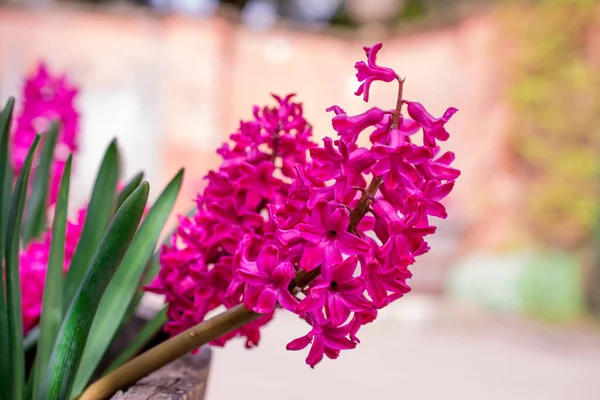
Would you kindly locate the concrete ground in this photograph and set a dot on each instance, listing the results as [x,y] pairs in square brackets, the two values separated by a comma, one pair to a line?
[419,349]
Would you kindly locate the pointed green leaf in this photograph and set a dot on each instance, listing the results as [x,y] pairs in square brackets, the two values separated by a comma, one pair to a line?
[149,273]
[5,170]
[52,305]
[5,193]
[121,289]
[13,285]
[129,188]
[98,215]
[37,204]
[74,332]
[151,328]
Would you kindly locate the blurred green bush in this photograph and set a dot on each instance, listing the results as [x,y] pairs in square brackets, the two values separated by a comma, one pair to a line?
[555,97]
[545,286]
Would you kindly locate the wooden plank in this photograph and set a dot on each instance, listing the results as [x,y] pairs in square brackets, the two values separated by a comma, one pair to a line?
[184,379]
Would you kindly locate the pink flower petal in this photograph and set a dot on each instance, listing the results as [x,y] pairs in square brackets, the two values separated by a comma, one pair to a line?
[299,343]
[336,309]
[350,244]
[268,259]
[315,355]
[254,278]
[312,256]
[310,303]
[266,301]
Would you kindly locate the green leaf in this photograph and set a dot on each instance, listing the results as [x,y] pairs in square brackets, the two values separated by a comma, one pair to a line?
[52,305]
[5,206]
[121,289]
[151,328]
[37,204]
[5,169]
[152,269]
[29,387]
[5,193]
[13,285]
[129,188]
[75,329]
[98,215]
[149,273]
[30,340]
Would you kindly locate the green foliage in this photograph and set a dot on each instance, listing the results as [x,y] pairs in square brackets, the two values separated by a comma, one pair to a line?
[74,332]
[5,194]
[413,9]
[100,210]
[52,304]
[555,96]
[121,289]
[75,308]
[541,284]
[14,317]
[552,289]
[150,329]
[129,188]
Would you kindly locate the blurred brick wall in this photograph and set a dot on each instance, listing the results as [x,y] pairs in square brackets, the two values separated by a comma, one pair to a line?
[172,88]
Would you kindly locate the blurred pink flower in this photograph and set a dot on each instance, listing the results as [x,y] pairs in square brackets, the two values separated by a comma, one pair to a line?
[46,98]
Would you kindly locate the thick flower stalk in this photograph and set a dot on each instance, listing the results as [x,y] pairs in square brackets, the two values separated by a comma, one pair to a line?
[46,98]
[329,237]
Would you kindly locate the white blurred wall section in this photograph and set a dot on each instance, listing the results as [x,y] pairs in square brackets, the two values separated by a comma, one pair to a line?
[121,114]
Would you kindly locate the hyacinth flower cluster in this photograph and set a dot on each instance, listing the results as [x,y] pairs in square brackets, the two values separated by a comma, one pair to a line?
[199,270]
[46,98]
[327,232]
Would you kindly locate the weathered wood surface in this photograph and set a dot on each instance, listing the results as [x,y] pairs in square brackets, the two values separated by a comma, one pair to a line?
[184,379]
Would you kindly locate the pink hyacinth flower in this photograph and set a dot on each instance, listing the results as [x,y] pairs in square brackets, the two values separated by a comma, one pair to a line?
[268,281]
[327,237]
[260,179]
[326,339]
[46,99]
[393,137]
[430,197]
[334,163]
[385,286]
[369,72]
[350,127]
[433,128]
[439,168]
[397,163]
[340,292]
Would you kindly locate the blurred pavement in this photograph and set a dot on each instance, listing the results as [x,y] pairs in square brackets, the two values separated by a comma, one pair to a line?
[419,348]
